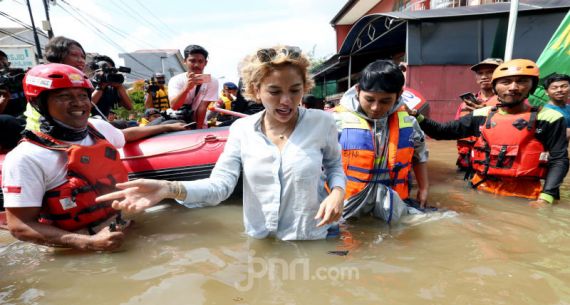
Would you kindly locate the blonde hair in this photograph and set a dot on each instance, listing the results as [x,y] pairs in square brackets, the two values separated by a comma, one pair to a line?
[255,67]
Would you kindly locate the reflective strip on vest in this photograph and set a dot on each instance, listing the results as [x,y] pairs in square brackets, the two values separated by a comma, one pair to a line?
[358,152]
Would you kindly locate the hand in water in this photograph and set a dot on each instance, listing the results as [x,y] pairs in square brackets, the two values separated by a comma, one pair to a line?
[105,240]
[422,197]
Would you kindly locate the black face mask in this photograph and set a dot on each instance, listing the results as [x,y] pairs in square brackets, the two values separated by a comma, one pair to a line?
[61,131]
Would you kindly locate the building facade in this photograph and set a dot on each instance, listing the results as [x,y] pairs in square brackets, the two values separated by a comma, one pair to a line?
[144,63]
[19,45]
[438,39]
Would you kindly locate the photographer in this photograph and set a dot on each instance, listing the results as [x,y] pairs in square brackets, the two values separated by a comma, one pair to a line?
[194,88]
[12,104]
[109,90]
[156,94]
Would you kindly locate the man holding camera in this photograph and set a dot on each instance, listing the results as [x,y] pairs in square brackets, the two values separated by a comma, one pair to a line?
[194,89]
[109,90]
[12,104]
[156,94]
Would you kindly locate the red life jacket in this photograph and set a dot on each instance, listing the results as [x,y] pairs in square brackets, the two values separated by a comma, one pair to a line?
[507,146]
[465,145]
[91,171]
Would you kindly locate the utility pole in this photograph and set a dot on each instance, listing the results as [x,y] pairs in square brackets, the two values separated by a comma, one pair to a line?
[48,28]
[36,39]
[513,14]
[162,58]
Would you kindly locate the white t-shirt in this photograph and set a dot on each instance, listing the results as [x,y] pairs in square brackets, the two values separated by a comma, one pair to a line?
[30,170]
[208,91]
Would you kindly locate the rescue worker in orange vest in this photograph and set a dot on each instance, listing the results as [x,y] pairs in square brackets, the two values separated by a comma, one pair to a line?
[518,144]
[50,180]
[485,97]
[380,145]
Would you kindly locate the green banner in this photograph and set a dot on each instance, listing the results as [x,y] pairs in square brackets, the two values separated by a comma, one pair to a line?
[554,59]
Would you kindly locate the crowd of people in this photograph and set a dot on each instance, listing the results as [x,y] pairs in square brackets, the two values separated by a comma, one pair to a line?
[306,164]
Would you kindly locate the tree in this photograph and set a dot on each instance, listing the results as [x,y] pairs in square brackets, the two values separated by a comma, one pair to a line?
[136,94]
[320,90]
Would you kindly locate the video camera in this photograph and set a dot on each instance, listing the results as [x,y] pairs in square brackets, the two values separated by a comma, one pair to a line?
[11,80]
[105,73]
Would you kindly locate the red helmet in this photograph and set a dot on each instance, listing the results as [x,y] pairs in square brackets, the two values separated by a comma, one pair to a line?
[48,77]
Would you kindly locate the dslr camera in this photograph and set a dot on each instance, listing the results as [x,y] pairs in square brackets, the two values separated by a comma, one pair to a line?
[105,73]
[151,85]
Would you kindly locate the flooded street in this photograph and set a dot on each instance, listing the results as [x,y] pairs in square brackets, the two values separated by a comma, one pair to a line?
[478,249]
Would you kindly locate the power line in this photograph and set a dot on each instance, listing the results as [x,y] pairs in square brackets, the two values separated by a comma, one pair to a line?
[107,39]
[155,17]
[20,22]
[107,25]
[138,18]
[16,37]
[88,17]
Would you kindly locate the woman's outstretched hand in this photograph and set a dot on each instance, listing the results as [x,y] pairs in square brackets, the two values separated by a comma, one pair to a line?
[331,208]
[138,195]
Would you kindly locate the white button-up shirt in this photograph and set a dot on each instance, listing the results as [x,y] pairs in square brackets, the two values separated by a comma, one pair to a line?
[282,191]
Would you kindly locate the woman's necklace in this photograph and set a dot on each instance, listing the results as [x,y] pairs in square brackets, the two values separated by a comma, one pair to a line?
[281,134]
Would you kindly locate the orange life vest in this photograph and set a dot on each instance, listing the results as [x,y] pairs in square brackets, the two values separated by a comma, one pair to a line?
[359,157]
[508,147]
[91,171]
[465,145]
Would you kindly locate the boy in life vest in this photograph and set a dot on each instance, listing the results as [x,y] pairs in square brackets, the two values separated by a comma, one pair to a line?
[517,145]
[380,144]
[50,180]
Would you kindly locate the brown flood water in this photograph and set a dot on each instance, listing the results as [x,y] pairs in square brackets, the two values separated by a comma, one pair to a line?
[479,249]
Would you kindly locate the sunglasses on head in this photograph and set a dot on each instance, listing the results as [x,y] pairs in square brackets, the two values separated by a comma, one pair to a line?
[267,55]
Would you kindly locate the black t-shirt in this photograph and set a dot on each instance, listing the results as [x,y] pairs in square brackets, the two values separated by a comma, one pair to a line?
[16,105]
[109,100]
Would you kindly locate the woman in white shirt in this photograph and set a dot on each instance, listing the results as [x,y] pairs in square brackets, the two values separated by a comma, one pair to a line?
[284,153]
